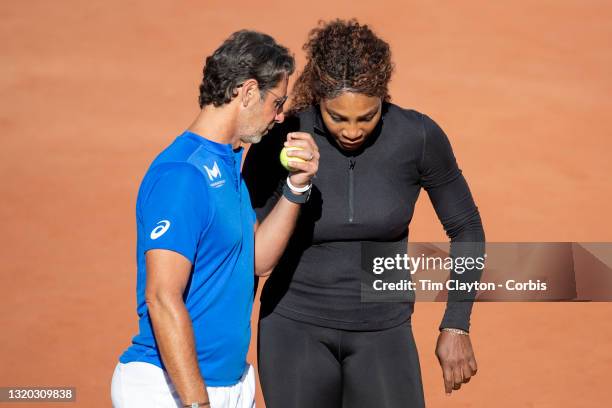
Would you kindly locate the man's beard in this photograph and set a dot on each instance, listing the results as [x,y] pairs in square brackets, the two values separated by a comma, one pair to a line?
[252,138]
[256,138]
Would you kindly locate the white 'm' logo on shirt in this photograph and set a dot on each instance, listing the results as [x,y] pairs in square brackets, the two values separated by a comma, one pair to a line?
[161,229]
[214,172]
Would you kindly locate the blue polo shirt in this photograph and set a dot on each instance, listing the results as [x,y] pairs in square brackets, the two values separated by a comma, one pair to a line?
[193,201]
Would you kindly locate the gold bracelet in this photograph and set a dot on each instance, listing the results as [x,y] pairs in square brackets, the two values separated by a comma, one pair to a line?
[456,331]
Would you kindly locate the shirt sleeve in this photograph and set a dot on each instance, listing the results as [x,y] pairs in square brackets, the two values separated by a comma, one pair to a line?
[175,211]
[455,207]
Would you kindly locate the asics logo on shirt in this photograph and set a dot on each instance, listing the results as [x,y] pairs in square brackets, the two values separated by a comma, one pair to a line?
[161,229]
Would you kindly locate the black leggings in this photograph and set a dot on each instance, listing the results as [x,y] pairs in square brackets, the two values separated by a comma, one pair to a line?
[307,366]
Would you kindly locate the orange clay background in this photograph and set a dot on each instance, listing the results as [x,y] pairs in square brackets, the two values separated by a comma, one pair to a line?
[92,91]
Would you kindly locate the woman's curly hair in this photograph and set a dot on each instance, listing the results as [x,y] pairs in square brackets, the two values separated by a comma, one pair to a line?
[342,56]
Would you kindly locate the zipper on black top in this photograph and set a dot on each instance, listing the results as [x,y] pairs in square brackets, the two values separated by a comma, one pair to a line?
[351,189]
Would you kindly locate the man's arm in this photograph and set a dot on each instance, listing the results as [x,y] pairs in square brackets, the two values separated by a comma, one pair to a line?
[167,276]
[273,233]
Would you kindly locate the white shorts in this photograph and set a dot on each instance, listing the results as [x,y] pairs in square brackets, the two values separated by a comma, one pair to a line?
[137,385]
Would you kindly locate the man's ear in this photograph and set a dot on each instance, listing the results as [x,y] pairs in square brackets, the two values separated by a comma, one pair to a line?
[249,92]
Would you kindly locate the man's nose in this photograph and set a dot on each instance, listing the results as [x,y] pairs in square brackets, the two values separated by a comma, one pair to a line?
[280,117]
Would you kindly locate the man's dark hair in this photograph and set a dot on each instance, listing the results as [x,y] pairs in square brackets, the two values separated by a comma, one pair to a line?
[244,55]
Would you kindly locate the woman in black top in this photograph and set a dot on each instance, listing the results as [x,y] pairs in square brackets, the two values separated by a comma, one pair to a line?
[319,344]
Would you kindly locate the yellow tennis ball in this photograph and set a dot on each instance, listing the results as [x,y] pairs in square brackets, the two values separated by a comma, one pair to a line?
[284,159]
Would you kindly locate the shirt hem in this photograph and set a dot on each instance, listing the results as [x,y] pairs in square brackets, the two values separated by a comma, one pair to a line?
[345,325]
[209,383]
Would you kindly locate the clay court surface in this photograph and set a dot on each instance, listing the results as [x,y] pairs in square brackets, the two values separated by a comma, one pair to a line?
[91,91]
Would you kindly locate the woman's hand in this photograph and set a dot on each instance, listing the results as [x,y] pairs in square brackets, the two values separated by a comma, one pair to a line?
[456,357]
[302,172]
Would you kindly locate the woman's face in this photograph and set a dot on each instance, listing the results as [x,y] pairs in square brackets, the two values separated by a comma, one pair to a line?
[351,118]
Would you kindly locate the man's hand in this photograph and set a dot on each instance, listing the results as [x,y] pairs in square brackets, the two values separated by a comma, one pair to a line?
[456,357]
[303,171]
[272,235]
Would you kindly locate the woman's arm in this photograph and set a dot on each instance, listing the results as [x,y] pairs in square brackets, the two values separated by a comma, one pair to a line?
[455,207]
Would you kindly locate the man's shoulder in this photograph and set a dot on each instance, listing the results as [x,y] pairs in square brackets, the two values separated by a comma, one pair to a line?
[174,169]
[176,179]
[183,159]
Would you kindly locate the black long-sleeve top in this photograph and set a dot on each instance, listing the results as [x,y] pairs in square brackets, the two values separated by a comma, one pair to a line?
[362,196]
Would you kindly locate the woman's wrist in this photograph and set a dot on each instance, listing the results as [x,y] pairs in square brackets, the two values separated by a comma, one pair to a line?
[298,190]
[456,331]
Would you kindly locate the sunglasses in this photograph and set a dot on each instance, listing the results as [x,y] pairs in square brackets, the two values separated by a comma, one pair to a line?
[279,102]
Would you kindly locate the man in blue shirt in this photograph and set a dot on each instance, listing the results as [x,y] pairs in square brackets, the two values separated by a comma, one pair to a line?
[199,244]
